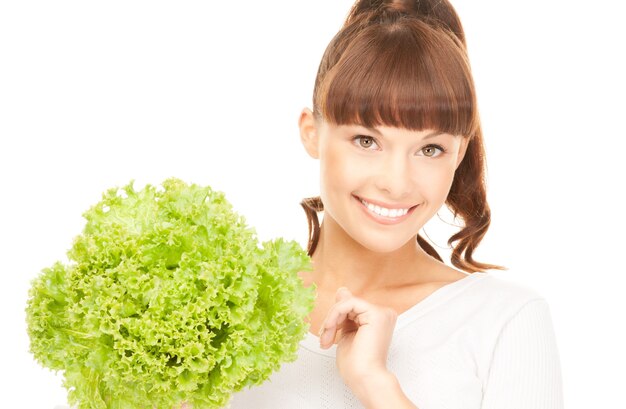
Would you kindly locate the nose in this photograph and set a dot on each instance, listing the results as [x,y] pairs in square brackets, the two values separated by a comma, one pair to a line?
[395,177]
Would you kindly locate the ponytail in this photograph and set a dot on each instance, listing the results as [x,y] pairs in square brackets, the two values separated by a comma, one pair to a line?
[468,199]
[311,206]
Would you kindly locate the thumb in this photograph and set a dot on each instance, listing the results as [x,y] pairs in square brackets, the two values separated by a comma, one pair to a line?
[342,294]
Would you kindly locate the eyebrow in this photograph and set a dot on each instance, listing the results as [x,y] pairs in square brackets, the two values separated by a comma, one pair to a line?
[430,135]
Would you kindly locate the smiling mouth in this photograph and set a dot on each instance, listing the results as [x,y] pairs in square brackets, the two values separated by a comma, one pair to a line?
[390,213]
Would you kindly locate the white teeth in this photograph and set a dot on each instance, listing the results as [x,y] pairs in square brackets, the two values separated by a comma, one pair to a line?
[383,211]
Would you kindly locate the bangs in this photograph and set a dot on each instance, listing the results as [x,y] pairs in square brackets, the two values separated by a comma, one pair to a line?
[409,76]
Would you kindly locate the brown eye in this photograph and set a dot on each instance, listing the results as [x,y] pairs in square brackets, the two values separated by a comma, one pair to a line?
[365,142]
[431,151]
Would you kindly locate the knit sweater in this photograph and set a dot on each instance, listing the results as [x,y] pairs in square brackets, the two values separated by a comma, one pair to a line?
[479,342]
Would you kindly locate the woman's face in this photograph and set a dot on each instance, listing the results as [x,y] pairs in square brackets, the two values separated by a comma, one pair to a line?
[382,185]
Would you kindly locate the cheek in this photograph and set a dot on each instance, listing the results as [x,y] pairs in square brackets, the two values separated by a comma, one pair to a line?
[337,169]
[435,182]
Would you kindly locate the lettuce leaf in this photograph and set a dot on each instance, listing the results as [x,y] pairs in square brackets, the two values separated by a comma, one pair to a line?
[168,298]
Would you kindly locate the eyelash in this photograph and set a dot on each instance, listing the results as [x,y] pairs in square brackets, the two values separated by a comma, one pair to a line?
[358,138]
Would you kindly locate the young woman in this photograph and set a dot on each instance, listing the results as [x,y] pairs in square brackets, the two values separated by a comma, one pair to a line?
[396,131]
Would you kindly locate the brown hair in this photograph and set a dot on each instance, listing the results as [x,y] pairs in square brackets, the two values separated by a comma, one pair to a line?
[404,64]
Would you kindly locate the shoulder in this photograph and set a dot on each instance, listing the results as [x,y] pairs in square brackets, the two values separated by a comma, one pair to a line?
[502,298]
[496,288]
[501,287]
[488,288]
[492,303]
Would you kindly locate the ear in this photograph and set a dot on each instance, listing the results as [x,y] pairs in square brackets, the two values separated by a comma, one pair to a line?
[462,150]
[308,133]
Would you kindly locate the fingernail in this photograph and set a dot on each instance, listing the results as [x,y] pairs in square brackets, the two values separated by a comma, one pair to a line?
[323,340]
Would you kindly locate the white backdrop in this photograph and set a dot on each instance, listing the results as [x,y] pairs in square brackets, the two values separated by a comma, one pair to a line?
[94,94]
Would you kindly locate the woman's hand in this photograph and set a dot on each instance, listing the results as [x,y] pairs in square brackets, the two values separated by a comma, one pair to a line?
[363,332]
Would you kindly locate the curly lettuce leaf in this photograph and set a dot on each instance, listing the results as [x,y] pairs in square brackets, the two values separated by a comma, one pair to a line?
[168,298]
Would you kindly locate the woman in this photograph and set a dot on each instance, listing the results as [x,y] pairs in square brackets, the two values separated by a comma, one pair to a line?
[395,127]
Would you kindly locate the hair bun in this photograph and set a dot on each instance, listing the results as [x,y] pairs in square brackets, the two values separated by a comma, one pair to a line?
[402,6]
[435,12]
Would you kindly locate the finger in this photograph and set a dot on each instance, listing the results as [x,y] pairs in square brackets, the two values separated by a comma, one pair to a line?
[342,325]
[351,306]
[339,312]
[334,318]
[342,294]
[347,309]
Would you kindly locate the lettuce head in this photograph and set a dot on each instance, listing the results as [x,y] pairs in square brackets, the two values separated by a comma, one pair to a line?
[168,297]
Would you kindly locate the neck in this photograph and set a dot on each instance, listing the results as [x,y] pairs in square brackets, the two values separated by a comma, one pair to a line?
[340,261]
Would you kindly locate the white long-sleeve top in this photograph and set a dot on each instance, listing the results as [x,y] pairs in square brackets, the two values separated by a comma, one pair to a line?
[478,343]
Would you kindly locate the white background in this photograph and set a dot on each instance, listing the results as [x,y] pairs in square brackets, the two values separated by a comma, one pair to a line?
[94,94]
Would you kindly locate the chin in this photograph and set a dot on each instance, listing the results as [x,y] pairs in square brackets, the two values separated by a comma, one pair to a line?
[384,246]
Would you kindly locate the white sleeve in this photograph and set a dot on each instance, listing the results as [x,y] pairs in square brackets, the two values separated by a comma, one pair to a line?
[525,371]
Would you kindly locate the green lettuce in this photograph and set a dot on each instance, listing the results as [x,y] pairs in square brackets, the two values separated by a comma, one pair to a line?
[168,298]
